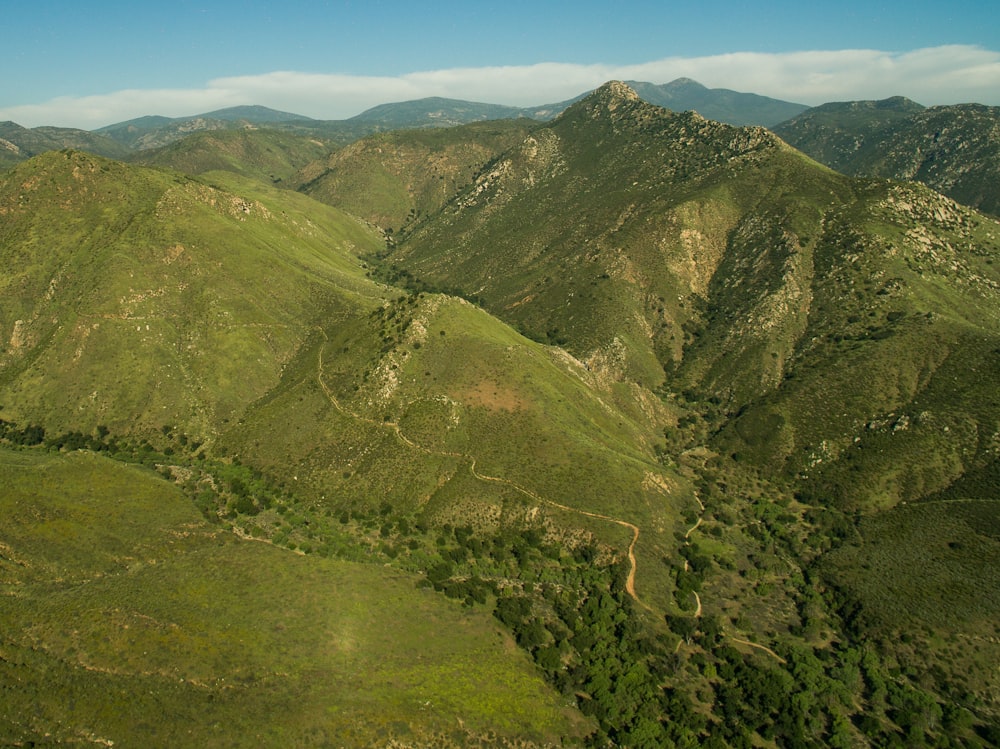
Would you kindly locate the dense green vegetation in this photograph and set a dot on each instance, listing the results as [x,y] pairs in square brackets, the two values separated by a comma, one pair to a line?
[689,683]
[640,430]
[950,148]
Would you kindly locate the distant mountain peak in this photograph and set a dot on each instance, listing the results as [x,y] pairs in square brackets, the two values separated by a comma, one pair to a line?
[684,83]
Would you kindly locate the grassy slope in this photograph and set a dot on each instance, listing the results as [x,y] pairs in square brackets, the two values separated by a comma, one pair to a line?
[391,178]
[887,394]
[20,143]
[129,618]
[453,401]
[568,235]
[833,319]
[337,387]
[267,155]
[751,276]
[842,333]
[139,298]
[225,334]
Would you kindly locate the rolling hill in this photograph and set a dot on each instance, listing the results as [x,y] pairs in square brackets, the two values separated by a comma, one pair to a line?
[269,155]
[154,131]
[436,111]
[106,314]
[20,143]
[153,625]
[225,333]
[199,326]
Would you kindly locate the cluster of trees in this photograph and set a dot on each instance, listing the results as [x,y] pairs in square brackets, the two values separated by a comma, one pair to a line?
[218,489]
[683,684]
[27,436]
[394,275]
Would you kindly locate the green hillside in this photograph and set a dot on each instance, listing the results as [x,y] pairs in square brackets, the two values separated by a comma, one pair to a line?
[138,299]
[639,429]
[267,155]
[390,179]
[887,395]
[727,265]
[602,230]
[314,391]
[154,626]
[155,131]
[831,342]
[952,149]
[18,143]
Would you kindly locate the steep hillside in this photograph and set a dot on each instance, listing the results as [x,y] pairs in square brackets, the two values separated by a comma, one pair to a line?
[829,346]
[885,393]
[268,155]
[603,230]
[435,409]
[137,298]
[954,149]
[391,179]
[225,334]
[709,428]
[689,255]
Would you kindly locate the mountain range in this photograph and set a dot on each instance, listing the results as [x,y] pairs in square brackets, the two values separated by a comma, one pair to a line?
[627,427]
[157,131]
[950,148]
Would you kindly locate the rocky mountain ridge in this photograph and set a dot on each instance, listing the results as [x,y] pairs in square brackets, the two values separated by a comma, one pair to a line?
[953,149]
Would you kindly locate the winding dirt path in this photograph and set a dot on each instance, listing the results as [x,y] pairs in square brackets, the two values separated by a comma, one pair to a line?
[759,647]
[630,580]
[693,528]
[697,598]
[397,430]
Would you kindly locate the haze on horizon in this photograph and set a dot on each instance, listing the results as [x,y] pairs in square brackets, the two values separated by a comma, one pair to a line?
[87,67]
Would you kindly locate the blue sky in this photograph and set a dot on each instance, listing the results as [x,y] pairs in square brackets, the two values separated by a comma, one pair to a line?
[87,65]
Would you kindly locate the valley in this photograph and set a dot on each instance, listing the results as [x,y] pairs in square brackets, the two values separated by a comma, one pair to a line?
[618,427]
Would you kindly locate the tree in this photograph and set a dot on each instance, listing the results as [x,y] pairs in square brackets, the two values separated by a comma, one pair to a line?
[683,626]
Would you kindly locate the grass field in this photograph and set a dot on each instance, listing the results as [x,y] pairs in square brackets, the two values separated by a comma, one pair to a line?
[129,618]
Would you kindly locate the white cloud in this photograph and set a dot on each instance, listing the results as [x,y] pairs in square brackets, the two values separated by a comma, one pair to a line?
[935,75]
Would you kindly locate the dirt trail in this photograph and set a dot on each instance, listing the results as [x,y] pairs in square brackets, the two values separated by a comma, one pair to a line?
[697,598]
[397,430]
[630,580]
[759,647]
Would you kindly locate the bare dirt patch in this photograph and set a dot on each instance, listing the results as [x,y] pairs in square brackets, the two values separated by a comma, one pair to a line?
[493,396]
